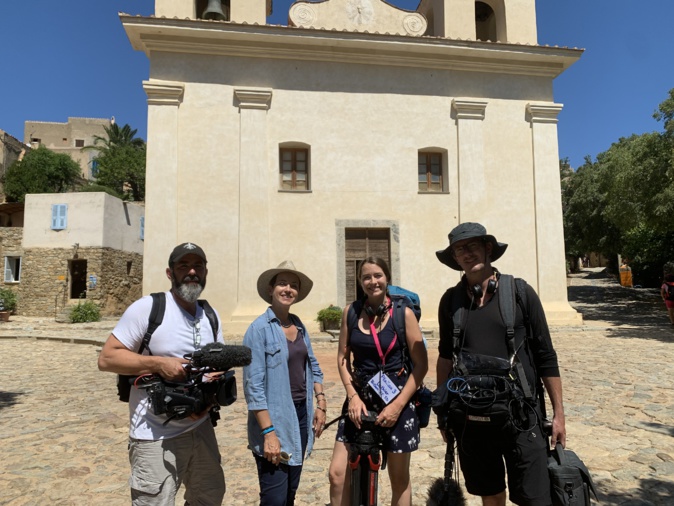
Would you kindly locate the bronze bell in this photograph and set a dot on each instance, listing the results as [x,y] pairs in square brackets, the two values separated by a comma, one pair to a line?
[214,11]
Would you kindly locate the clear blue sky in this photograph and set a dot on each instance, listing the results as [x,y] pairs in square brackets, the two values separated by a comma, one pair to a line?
[72,58]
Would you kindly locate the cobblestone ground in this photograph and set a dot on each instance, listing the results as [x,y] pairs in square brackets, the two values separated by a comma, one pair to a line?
[63,433]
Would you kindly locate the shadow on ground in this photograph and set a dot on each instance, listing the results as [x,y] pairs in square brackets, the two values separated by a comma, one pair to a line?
[601,298]
[650,492]
[8,399]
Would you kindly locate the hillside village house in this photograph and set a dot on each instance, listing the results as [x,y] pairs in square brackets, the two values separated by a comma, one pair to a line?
[358,129]
[72,247]
[69,138]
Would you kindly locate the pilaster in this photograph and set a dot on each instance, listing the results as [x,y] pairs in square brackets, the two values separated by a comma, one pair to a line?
[254,189]
[469,115]
[161,176]
[551,260]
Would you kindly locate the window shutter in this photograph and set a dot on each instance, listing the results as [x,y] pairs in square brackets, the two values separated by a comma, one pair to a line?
[59,216]
[142,228]
[8,271]
[18,274]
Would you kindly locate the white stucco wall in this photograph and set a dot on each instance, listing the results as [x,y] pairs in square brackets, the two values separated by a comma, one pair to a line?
[94,220]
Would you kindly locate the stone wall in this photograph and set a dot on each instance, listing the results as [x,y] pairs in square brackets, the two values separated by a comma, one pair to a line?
[45,284]
[10,245]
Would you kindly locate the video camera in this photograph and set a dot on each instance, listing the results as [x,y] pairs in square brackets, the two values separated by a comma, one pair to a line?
[202,388]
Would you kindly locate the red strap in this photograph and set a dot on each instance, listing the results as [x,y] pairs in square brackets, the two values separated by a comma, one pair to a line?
[375,337]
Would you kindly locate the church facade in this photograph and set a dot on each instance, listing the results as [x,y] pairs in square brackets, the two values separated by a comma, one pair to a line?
[358,129]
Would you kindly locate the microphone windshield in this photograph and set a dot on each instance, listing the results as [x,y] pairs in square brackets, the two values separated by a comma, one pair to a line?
[221,357]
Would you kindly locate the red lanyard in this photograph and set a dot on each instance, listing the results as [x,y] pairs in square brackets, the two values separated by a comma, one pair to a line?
[375,337]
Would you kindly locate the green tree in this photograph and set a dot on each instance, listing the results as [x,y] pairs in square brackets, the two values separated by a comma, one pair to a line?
[122,168]
[40,171]
[623,201]
[121,161]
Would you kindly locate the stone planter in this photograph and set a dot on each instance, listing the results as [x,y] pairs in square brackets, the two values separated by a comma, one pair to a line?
[329,325]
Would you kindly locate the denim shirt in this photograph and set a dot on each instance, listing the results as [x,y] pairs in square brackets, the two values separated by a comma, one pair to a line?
[266,385]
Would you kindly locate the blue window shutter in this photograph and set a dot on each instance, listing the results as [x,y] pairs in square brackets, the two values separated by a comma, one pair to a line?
[142,228]
[59,216]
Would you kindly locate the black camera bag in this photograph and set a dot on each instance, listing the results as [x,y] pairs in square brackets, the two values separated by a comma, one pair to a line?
[570,480]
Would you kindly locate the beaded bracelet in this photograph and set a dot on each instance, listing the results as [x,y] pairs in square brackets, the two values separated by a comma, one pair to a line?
[266,431]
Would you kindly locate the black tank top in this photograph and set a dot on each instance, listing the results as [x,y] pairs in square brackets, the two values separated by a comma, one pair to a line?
[365,355]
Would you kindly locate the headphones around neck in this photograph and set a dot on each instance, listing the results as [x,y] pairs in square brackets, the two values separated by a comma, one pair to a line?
[380,311]
[476,290]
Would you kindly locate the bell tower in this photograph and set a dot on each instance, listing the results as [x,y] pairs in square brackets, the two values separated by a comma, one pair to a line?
[238,11]
[511,21]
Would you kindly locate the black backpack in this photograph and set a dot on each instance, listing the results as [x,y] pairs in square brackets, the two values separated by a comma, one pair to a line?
[154,321]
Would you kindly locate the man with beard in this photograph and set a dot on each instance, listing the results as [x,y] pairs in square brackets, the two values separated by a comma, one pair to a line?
[185,451]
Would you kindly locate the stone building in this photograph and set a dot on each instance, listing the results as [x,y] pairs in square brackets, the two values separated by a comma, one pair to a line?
[69,138]
[11,150]
[358,129]
[74,246]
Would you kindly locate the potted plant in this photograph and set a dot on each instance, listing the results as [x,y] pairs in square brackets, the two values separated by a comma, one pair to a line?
[329,317]
[7,303]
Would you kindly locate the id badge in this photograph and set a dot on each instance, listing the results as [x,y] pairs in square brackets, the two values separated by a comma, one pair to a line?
[384,387]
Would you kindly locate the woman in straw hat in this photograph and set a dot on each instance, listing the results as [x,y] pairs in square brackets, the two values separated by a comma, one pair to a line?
[279,385]
[369,356]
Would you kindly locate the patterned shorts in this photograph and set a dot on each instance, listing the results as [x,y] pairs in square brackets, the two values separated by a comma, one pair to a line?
[403,437]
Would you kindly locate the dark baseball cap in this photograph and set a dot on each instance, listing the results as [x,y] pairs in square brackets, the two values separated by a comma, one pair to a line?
[186,248]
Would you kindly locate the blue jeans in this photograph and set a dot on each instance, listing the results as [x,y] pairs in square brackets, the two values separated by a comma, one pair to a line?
[279,483]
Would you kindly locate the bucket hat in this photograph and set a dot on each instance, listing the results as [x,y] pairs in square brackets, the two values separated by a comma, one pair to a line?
[469,231]
[186,248]
[286,266]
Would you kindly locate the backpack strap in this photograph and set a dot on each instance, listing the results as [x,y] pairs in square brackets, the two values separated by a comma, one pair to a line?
[460,317]
[154,321]
[212,319]
[352,317]
[400,327]
[507,308]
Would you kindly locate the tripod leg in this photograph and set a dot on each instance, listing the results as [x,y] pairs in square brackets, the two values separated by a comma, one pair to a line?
[372,478]
[355,467]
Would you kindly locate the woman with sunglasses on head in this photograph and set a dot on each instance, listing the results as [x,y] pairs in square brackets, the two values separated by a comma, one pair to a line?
[367,347]
[279,385]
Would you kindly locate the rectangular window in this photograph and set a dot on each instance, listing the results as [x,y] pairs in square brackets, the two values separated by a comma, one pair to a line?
[294,168]
[430,172]
[59,216]
[142,228]
[79,143]
[94,168]
[12,269]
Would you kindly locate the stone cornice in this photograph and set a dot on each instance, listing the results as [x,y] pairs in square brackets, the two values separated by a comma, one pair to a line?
[544,113]
[469,109]
[253,98]
[288,43]
[163,92]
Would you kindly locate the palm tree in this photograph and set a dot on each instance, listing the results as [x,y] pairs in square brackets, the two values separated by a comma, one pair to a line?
[116,137]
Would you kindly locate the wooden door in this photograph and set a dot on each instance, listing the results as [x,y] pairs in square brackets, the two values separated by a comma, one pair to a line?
[361,243]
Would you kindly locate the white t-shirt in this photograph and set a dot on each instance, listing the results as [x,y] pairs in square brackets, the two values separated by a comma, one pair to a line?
[175,337]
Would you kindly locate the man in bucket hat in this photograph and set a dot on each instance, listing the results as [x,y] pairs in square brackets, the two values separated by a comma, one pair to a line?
[473,331]
[163,454]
